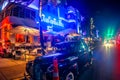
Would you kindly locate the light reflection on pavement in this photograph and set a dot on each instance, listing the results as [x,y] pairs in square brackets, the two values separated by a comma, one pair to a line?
[103,65]
[102,68]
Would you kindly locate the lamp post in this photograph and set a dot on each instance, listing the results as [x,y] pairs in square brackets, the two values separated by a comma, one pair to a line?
[91,27]
[91,35]
[40,27]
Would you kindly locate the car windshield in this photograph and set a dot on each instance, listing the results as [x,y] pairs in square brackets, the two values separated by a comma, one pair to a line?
[70,47]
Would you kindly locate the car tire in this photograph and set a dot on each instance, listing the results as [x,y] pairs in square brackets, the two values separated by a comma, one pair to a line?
[36,72]
[70,76]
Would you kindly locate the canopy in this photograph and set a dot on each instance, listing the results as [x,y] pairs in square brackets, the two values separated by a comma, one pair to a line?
[66,31]
[25,30]
[19,21]
[49,33]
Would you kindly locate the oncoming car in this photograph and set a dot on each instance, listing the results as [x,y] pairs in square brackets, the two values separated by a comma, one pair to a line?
[73,59]
[109,43]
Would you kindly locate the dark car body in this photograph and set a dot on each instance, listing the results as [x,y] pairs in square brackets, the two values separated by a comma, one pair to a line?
[72,58]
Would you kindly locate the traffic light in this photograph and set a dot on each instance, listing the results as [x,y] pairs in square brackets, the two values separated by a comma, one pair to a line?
[109,33]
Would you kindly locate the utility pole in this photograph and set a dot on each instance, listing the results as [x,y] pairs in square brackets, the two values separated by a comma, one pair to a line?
[91,38]
[91,35]
[91,27]
[40,27]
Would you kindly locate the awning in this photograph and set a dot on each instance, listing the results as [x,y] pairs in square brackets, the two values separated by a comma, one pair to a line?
[67,31]
[19,21]
[25,30]
[49,33]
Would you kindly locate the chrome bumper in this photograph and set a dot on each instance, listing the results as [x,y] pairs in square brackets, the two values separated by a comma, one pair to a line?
[27,77]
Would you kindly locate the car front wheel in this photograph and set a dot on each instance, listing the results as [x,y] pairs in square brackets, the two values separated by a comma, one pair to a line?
[70,76]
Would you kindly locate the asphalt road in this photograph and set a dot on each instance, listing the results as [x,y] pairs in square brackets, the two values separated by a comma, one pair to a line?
[11,69]
[102,68]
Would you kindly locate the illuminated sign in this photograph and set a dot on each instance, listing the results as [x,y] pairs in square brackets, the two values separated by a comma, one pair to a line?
[52,21]
[58,22]
[49,28]
[4,4]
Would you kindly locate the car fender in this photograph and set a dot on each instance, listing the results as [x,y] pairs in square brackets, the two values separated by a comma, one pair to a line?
[73,68]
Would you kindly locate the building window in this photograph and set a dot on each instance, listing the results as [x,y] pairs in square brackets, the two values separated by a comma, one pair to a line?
[20,38]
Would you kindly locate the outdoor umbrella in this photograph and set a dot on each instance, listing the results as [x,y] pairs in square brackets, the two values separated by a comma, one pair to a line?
[74,35]
[25,30]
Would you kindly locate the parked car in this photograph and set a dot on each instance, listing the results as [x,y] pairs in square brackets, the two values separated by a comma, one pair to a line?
[73,58]
[109,43]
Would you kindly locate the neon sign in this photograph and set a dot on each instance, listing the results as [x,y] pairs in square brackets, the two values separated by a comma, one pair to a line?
[4,4]
[52,21]
[50,28]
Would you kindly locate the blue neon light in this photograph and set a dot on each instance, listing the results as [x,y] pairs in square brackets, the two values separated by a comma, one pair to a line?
[33,6]
[4,4]
[52,55]
[53,21]
[50,28]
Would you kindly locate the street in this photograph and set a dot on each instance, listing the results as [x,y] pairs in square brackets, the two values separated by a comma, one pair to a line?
[103,64]
[11,69]
[101,69]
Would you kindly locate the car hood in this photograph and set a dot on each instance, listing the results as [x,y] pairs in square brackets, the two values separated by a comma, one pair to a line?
[52,55]
[47,59]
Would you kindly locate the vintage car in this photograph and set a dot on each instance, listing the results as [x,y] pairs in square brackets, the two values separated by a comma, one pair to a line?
[73,59]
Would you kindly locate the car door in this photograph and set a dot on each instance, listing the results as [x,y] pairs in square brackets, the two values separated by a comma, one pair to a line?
[82,52]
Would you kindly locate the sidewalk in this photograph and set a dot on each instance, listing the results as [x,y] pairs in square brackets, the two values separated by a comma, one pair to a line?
[11,69]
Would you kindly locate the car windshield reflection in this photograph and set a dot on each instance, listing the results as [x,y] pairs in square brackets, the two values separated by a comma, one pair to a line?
[70,47]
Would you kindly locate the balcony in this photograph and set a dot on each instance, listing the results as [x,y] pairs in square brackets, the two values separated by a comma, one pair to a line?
[17,10]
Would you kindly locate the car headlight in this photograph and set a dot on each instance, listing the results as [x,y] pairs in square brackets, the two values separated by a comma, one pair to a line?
[108,44]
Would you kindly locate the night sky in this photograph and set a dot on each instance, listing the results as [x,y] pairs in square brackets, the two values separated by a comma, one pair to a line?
[106,13]
[93,7]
